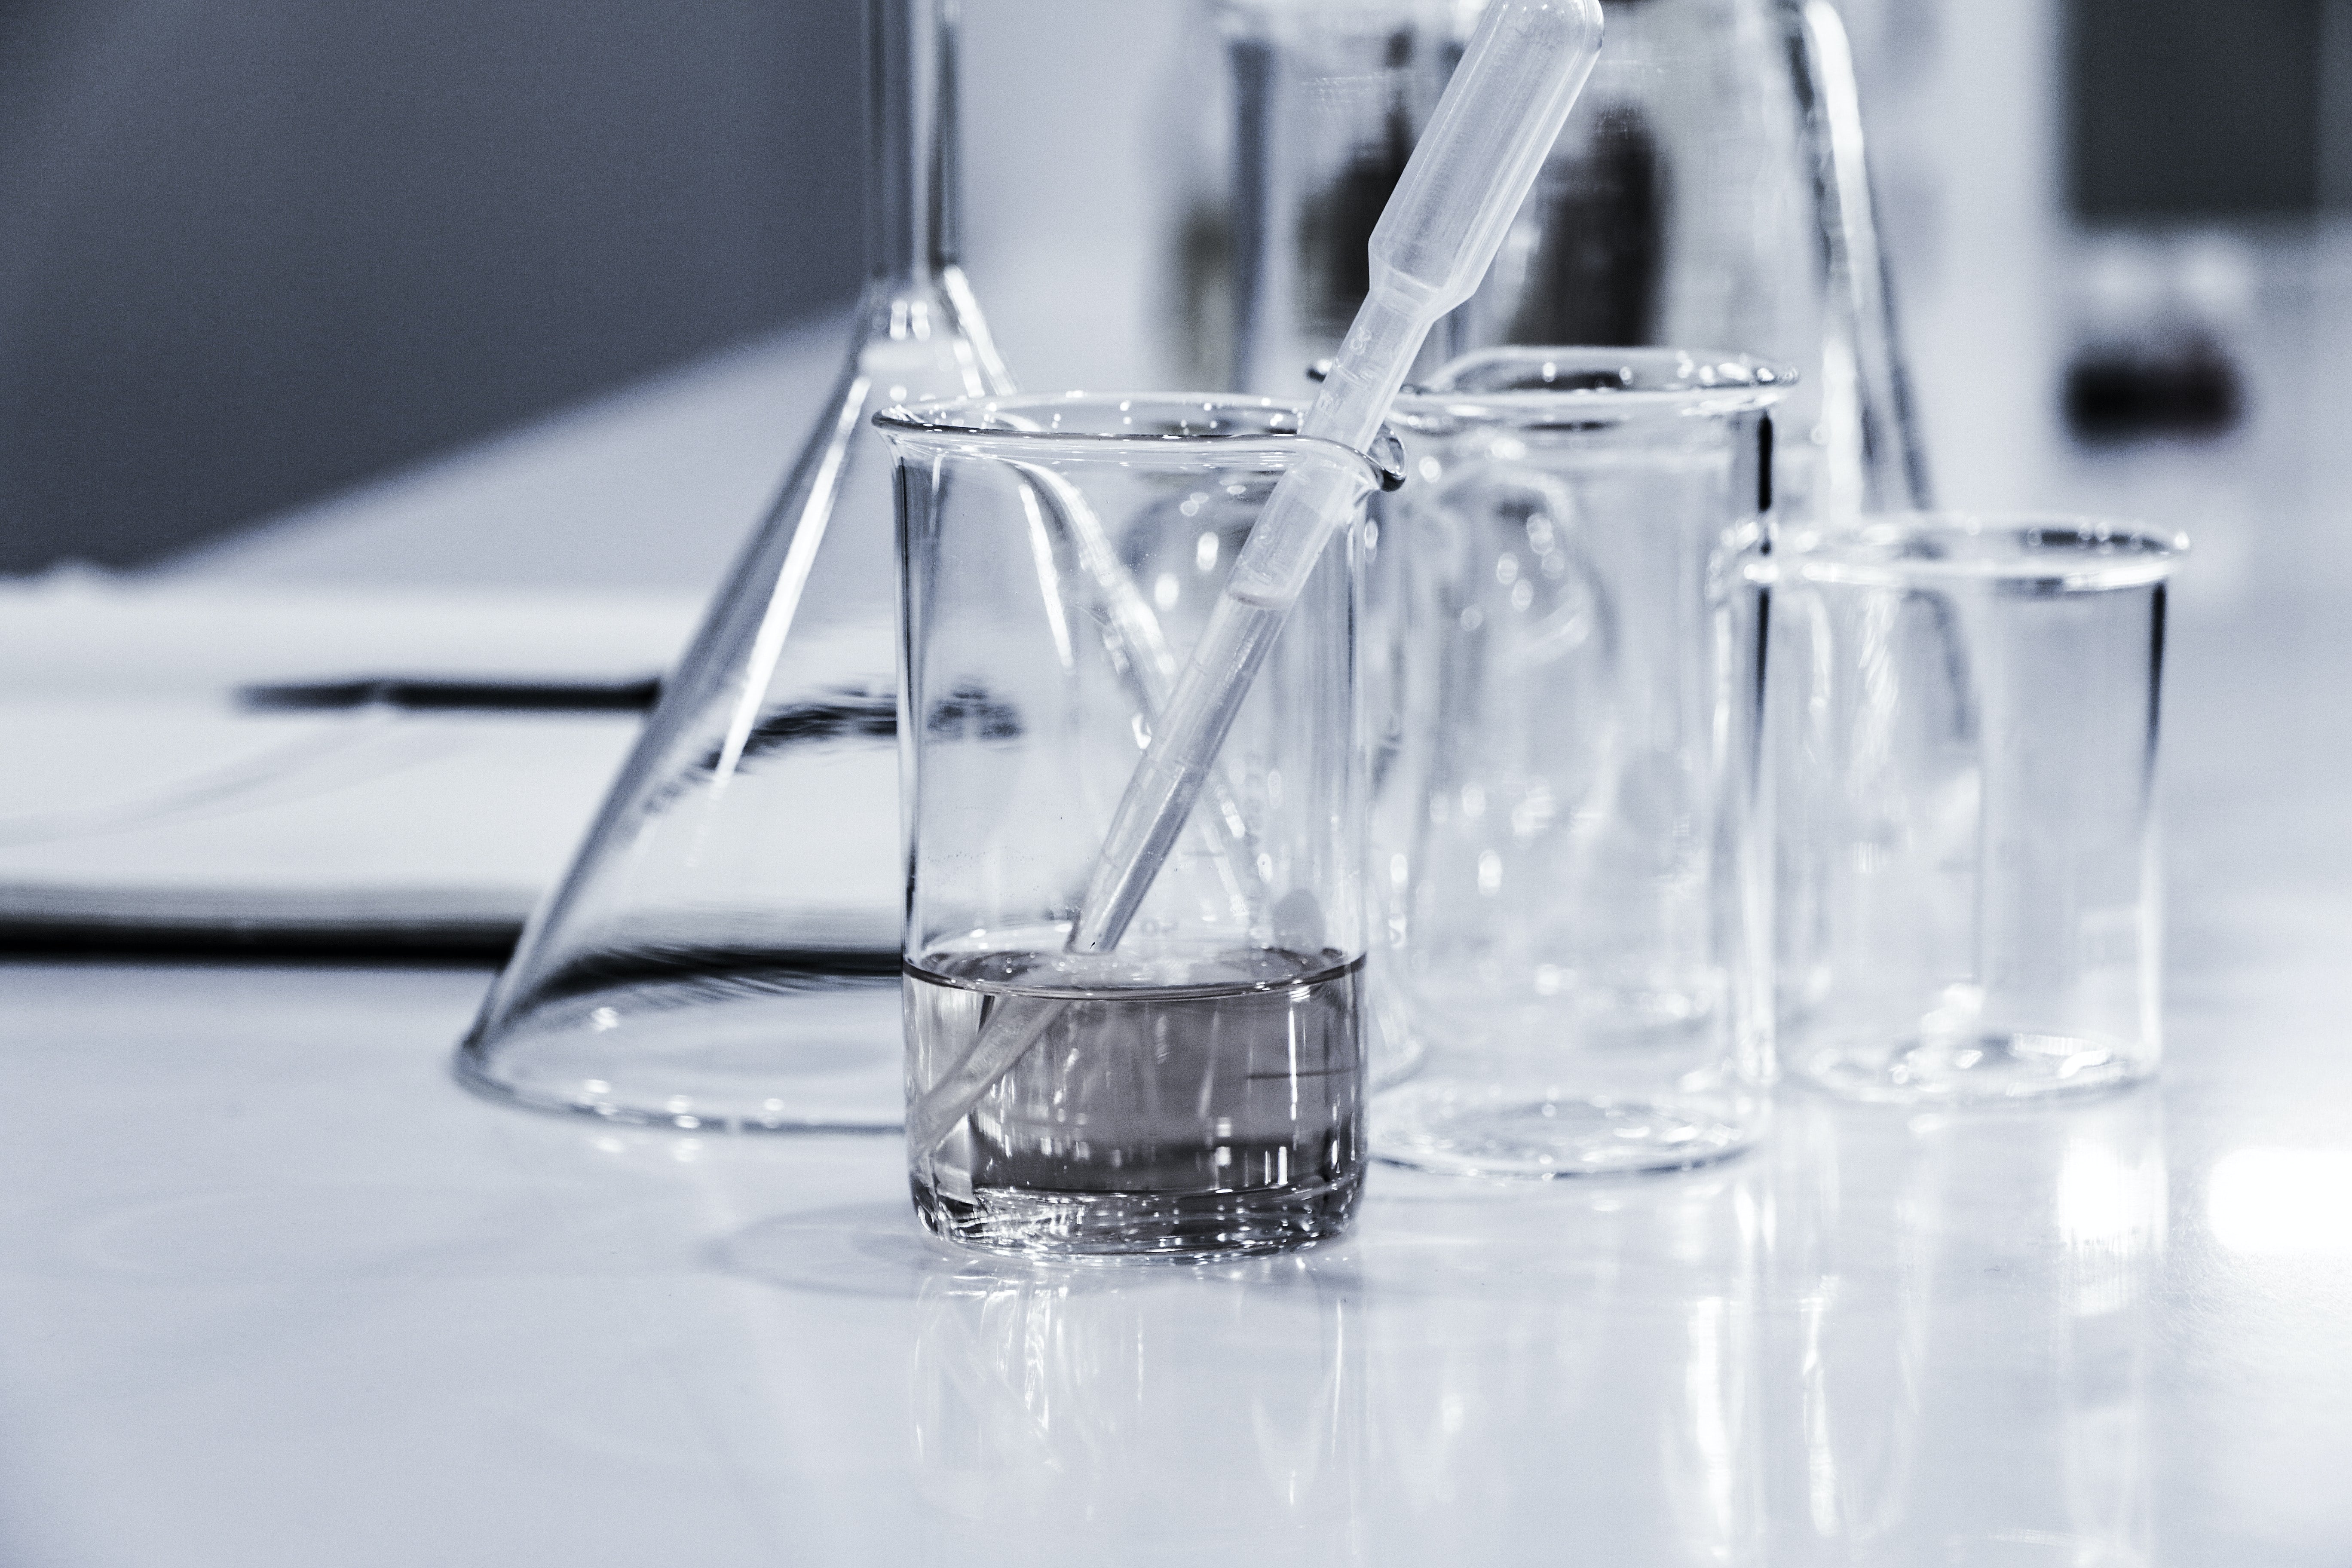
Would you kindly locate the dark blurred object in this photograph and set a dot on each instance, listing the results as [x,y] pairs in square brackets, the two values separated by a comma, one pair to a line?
[252,250]
[2159,322]
[1335,225]
[1322,101]
[2187,388]
[1601,247]
[2184,107]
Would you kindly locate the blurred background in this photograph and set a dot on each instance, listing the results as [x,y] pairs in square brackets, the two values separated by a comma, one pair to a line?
[255,251]
[259,260]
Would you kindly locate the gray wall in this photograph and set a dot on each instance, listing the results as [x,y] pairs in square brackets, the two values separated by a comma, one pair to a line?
[251,250]
[2197,108]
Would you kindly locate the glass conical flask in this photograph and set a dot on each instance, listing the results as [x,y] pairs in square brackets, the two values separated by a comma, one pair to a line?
[1709,192]
[724,952]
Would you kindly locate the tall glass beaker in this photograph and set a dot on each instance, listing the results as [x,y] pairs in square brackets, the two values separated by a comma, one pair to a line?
[724,952]
[1711,187]
[1198,1088]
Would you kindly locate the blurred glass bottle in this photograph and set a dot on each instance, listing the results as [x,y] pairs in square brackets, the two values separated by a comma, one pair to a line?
[724,951]
[1711,188]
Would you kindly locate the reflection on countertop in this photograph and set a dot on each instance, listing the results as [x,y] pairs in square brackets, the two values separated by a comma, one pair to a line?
[1886,1338]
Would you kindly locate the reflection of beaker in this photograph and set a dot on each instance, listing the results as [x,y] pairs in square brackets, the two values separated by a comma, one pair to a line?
[1962,1376]
[724,952]
[1089,1416]
[1566,1365]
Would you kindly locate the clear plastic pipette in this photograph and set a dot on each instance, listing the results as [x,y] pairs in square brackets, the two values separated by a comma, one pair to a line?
[1465,181]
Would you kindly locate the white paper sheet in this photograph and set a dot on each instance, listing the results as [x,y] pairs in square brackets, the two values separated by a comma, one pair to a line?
[138,798]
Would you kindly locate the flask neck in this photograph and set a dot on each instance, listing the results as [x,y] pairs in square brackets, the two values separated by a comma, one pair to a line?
[912,156]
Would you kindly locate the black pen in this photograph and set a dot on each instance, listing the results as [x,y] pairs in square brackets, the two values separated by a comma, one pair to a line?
[441,694]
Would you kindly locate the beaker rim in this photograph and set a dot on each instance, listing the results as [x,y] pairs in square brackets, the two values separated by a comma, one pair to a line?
[1572,384]
[2032,551]
[1123,421]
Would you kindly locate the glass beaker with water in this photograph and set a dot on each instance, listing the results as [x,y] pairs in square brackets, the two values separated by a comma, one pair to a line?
[1197,1089]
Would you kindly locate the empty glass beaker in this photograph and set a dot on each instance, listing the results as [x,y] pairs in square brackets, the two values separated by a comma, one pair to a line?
[1963,719]
[1711,187]
[1198,1088]
[1566,829]
[723,952]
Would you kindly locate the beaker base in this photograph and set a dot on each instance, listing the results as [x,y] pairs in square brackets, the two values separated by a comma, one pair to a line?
[1476,1131]
[1967,1069]
[1185,1228]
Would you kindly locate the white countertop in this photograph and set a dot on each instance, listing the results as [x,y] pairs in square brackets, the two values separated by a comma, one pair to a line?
[278,1292]
[274,1291]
